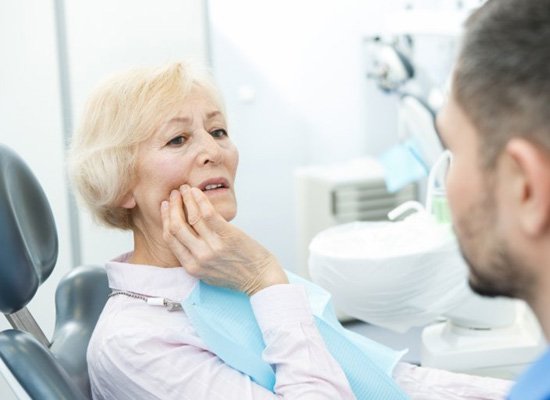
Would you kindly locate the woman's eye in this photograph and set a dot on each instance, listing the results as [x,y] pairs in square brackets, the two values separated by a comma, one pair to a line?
[178,140]
[218,133]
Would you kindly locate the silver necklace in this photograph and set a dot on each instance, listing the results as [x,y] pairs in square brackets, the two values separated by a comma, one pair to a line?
[171,305]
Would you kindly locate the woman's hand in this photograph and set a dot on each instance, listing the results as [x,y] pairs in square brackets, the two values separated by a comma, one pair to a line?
[213,250]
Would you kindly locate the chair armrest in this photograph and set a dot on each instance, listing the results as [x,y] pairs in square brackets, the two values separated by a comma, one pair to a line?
[35,368]
[79,300]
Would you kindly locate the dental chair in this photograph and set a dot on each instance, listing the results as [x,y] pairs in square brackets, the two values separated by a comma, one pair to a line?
[34,366]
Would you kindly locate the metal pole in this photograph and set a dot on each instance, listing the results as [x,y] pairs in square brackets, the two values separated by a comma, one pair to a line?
[67,117]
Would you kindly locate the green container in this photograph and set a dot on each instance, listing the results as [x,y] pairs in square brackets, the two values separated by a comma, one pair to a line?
[440,209]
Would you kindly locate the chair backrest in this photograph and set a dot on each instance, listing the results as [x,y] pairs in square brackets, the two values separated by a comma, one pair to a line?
[28,237]
[27,233]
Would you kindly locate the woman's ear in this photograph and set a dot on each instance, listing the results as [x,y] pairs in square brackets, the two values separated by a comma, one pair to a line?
[128,201]
[527,178]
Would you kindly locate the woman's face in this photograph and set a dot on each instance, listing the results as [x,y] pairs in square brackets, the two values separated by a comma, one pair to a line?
[192,148]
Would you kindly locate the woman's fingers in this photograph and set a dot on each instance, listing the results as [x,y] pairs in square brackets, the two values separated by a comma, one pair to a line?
[211,218]
[192,211]
[202,216]
[179,250]
[180,237]
[212,249]
[178,226]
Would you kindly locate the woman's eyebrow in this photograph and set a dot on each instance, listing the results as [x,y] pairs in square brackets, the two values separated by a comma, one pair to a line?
[184,120]
[213,114]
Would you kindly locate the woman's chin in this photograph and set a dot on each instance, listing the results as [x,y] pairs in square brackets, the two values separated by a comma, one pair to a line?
[227,211]
[225,205]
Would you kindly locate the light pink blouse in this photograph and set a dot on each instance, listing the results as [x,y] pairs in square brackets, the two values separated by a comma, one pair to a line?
[139,351]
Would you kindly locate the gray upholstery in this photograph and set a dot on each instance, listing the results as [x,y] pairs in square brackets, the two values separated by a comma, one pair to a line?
[79,300]
[27,257]
[27,233]
[35,368]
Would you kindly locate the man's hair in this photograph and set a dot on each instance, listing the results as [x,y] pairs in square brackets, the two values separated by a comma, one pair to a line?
[122,113]
[502,76]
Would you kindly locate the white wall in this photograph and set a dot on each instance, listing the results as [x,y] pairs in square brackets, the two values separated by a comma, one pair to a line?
[108,36]
[30,111]
[304,60]
[103,36]
[293,76]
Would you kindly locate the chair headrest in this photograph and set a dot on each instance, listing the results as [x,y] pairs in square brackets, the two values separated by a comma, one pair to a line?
[28,235]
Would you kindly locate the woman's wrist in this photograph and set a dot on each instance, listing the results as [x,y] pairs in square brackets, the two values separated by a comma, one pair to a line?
[273,275]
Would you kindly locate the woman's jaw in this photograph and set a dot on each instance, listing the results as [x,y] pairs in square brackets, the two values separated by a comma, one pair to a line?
[219,191]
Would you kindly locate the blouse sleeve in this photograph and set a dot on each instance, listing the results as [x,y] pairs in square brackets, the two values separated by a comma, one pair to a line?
[422,383]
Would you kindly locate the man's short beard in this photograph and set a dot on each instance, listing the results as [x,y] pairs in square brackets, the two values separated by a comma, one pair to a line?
[494,271]
[502,276]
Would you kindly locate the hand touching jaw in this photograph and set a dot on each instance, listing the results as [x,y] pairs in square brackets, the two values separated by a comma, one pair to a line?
[213,250]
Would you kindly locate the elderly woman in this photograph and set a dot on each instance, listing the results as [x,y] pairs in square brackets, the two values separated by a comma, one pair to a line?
[153,155]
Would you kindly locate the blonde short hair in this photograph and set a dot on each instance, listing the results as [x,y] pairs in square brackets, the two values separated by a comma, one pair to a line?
[122,113]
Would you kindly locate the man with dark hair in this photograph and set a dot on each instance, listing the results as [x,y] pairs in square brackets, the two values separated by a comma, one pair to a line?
[497,125]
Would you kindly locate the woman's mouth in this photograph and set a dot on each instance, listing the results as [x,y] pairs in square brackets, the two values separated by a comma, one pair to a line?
[214,185]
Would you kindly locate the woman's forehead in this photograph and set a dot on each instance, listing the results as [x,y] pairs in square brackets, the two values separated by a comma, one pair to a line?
[198,100]
[189,110]
[182,118]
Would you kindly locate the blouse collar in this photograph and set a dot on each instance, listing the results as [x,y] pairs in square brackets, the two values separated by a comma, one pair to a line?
[171,283]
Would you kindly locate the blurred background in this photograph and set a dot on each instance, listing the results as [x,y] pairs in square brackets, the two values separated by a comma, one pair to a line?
[294,75]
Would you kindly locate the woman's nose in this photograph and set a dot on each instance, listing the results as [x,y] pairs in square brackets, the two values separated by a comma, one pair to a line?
[209,150]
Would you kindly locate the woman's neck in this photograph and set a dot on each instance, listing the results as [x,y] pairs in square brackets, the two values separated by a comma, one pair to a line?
[149,251]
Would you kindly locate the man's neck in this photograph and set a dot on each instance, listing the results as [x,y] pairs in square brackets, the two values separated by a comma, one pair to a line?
[540,304]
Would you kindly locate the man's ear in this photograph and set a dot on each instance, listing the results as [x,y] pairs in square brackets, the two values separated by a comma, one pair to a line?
[128,201]
[527,178]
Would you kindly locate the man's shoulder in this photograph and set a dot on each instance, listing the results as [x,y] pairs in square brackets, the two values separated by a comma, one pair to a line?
[534,384]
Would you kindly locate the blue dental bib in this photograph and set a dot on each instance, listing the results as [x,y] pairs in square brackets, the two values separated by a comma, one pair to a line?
[224,319]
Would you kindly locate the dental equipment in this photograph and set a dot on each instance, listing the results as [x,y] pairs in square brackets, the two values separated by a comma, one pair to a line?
[410,273]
